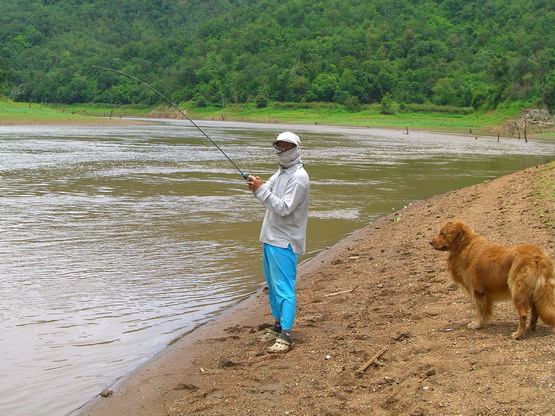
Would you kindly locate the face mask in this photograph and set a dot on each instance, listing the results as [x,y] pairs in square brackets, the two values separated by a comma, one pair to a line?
[289,157]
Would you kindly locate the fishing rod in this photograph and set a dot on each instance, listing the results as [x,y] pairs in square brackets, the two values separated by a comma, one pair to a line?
[244,175]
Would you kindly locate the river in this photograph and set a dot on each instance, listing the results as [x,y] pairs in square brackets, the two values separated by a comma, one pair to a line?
[117,239]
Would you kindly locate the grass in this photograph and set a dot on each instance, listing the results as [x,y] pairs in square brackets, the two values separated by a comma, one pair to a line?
[424,116]
[103,110]
[369,117]
[19,113]
[14,112]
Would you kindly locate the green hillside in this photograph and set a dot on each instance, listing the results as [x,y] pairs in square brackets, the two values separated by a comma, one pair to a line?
[460,53]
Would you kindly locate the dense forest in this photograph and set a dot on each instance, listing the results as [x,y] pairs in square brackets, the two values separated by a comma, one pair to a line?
[464,53]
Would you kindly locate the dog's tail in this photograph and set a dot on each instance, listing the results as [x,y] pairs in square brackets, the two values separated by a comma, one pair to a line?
[544,291]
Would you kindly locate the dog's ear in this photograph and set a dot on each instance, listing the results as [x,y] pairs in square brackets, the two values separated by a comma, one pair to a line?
[458,230]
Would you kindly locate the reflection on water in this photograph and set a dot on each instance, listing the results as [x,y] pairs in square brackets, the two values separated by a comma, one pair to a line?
[115,240]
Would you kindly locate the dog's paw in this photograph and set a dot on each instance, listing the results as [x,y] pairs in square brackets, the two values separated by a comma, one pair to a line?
[475,325]
[517,334]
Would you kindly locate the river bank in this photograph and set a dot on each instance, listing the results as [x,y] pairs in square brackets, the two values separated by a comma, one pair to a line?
[508,121]
[381,295]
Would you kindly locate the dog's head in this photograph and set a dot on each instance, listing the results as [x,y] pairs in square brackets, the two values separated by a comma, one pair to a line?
[452,234]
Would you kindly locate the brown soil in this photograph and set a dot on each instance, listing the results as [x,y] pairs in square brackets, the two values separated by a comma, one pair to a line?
[382,292]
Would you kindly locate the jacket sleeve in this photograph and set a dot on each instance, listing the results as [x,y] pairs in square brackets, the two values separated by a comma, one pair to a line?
[284,206]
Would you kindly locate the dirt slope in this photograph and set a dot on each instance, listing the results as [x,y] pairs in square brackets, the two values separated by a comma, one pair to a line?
[384,291]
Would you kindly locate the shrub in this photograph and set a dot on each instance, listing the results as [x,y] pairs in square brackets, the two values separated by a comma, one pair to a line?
[388,106]
[261,101]
[200,101]
[352,104]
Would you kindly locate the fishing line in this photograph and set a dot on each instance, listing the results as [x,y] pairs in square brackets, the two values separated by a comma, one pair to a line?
[244,175]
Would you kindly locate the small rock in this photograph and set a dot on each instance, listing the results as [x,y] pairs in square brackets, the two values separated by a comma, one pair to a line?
[431,372]
[106,392]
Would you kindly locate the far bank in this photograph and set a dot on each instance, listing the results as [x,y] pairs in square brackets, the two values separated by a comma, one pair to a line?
[510,121]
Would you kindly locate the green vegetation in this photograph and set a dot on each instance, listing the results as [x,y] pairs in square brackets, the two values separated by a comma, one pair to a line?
[102,110]
[369,115]
[12,112]
[474,54]
[417,117]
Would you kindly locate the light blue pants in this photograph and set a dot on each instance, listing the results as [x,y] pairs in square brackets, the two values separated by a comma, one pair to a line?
[280,270]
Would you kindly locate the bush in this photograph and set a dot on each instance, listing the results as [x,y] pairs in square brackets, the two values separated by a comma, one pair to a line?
[352,104]
[388,106]
[261,101]
[200,101]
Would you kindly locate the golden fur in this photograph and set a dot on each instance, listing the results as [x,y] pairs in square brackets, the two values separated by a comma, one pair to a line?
[490,272]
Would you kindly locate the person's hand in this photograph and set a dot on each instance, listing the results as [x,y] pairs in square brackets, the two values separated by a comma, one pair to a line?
[254,182]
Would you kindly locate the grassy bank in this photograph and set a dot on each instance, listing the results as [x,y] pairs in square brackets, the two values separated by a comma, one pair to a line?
[369,116]
[104,110]
[11,113]
[21,113]
[412,117]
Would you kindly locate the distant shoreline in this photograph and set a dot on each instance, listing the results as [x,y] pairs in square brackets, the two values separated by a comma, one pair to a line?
[100,121]
[90,121]
[479,123]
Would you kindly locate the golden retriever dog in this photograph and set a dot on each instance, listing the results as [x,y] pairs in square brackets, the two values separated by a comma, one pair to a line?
[490,272]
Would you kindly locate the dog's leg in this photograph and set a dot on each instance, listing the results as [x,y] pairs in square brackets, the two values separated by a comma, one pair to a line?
[533,318]
[520,300]
[483,305]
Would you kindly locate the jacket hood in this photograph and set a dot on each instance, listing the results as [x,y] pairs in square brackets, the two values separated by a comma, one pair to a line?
[287,136]
[288,158]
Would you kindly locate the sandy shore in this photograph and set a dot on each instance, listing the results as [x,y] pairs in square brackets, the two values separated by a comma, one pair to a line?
[381,297]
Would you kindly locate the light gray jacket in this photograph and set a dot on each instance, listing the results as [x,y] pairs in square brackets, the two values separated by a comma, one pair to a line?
[286,197]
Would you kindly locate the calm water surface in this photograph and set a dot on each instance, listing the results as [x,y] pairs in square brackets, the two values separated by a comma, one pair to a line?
[115,240]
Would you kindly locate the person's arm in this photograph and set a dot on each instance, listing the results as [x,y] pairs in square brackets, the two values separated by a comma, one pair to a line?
[285,205]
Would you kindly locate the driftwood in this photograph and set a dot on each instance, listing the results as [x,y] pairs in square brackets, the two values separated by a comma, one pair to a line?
[343,291]
[371,361]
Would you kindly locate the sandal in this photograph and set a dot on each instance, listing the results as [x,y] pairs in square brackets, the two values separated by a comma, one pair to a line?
[269,335]
[281,346]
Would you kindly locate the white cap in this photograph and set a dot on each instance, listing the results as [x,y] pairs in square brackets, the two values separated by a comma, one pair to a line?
[289,137]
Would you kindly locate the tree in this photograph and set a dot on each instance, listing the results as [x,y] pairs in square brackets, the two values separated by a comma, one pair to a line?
[4,68]
[548,91]
[451,52]
[323,88]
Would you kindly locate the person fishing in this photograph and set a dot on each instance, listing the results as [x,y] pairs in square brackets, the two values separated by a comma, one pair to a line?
[286,198]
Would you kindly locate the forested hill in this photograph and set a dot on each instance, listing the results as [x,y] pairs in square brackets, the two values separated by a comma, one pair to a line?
[477,53]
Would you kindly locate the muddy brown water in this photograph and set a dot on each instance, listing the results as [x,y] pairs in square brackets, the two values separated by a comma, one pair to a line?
[117,239]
